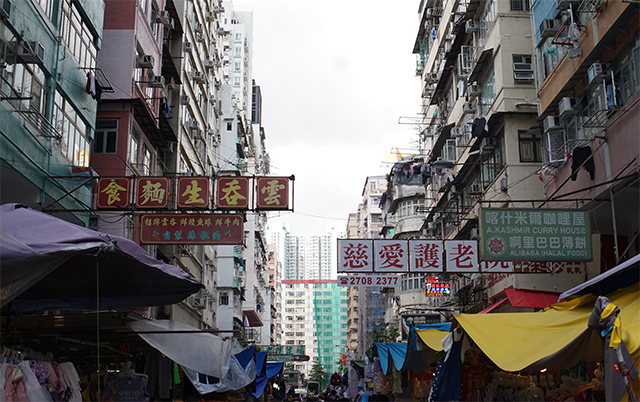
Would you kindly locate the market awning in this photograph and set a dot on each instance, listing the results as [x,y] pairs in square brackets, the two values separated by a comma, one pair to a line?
[530,298]
[561,327]
[51,264]
[494,306]
[433,337]
[607,282]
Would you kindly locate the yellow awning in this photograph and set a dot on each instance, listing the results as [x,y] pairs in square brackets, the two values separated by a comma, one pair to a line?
[514,341]
[432,338]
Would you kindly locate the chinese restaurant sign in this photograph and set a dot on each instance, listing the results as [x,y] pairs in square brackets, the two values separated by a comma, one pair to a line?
[191,229]
[272,193]
[535,235]
[152,192]
[194,193]
[232,192]
[114,192]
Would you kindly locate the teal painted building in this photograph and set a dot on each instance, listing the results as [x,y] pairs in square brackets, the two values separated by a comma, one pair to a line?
[47,116]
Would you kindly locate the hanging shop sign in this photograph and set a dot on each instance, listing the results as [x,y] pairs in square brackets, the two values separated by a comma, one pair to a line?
[276,350]
[194,193]
[531,267]
[426,256]
[272,193]
[385,281]
[434,288]
[113,193]
[535,235]
[391,256]
[186,229]
[401,256]
[152,192]
[232,192]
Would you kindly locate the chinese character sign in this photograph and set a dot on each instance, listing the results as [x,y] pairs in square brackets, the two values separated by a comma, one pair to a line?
[433,288]
[355,255]
[391,256]
[272,193]
[461,255]
[191,229]
[232,192]
[426,256]
[152,192]
[535,235]
[193,192]
[113,193]
[496,267]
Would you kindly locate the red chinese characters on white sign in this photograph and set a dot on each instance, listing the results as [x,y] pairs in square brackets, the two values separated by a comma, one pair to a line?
[461,255]
[355,255]
[391,256]
[426,255]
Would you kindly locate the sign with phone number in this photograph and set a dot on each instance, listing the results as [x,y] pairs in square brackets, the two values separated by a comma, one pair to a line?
[369,280]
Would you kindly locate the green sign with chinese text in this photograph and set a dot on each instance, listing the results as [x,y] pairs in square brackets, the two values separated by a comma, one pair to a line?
[535,235]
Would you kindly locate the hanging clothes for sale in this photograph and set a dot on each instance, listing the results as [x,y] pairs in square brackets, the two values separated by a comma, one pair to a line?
[579,156]
[447,380]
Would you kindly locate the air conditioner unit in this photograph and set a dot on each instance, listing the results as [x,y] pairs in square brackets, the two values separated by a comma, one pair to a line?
[188,46]
[198,27]
[193,124]
[475,90]
[549,28]
[469,107]
[474,234]
[488,144]
[222,31]
[171,85]
[217,9]
[201,38]
[163,17]
[146,61]
[475,188]
[197,134]
[211,16]
[457,131]
[184,99]
[158,81]
[431,76]
[197,303]
[551,123]
[596,72]
[31,52]
[567,106]
[431,225]
[209,64]
[472,26]
[198,76]
[5,8]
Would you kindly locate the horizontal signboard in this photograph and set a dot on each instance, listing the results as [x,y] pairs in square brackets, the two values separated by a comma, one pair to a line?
[186,229]
[369,280]
[535,235]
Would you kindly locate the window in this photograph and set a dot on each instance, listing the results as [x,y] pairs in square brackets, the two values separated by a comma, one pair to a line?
[530,146]
[373,185]
[238,37]
[519,5]
[68,122]
[488,92]
[522,70]
[77,36]
[133,147]
[224,299]
[105,141]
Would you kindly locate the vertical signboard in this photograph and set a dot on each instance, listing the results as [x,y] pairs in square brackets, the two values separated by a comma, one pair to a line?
[355,255]
[152,192]
[461,255]
[535,235]
[272,193]
[193,192]
[232,192]
[426,256]
[391,256]
[113,193]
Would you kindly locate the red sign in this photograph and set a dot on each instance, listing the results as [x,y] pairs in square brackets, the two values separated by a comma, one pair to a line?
[193,192]
[272,193]
[232,192]
[113,193]
[191,229]
[152,192]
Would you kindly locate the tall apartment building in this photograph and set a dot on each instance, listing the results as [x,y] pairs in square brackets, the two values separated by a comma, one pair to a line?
[587,60]
[353,317]
[47,117]
[321,255]
[315,315]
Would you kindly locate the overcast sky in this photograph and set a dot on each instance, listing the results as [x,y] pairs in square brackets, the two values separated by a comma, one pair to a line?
[336,76]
